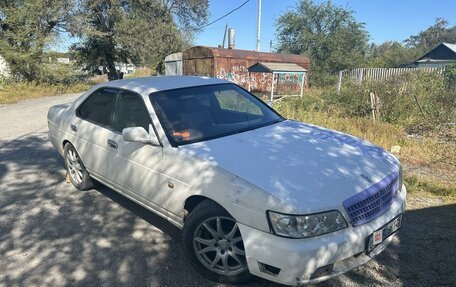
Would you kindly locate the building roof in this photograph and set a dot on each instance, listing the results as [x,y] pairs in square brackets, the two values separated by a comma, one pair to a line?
[262,67]
[147,85]
[201,52]
[443,51]
[450,46]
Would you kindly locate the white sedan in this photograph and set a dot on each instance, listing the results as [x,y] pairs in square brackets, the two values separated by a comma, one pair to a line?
[254,193]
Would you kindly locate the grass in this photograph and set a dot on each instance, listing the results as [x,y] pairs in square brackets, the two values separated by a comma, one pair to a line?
[14,92]
[415,184]
[429,160]
[140,72]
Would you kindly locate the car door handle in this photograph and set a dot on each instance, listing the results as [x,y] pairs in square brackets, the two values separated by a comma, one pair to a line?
[112,144]
[74,128]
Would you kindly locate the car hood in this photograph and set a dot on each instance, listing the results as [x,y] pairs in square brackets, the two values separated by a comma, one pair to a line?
[312,168]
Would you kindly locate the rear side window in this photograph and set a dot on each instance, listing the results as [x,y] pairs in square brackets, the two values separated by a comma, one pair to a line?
[130,112]
[99,107]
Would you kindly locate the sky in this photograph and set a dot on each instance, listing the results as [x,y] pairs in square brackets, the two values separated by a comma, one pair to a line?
[384,19]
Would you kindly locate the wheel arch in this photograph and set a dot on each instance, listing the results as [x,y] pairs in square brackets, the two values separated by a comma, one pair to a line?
[64,143]
[193,201]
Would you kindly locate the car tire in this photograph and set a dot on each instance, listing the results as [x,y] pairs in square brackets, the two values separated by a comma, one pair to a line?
[213,244]
[76,170]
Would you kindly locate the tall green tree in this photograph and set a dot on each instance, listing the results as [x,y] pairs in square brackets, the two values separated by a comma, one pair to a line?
[328,34]
[391,54]
[432,36]
[137,31]
[27,27]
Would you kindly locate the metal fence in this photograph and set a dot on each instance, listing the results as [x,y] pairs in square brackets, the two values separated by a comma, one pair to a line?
[378,74]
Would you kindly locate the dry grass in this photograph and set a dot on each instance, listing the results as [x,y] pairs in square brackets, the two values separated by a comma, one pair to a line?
[140,72]
[429,160]
[14,92]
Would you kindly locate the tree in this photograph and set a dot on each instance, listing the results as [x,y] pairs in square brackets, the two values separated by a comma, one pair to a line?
[329,35]
[391,54]
[138,31]
[432,36]
[26,28]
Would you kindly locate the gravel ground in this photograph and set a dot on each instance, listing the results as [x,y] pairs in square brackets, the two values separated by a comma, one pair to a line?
[54,235]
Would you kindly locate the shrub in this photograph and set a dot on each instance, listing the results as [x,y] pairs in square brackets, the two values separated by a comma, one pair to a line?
[56,73]
[419,99]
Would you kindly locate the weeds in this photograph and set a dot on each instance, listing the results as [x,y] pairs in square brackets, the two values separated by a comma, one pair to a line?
[13,92]
[416,184]
[418,101]
[140,72]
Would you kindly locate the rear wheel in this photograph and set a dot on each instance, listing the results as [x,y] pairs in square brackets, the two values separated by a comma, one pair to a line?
[77,172]
[214,246]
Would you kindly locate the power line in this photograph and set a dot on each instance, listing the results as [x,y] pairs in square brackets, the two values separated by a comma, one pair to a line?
[218,19]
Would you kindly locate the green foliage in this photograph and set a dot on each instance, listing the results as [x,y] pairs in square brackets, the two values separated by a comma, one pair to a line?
[26,28]
[450,77]
[141,32]
[417,99]
[417,184]
[391,55]
[432,36]
[137,31]
[56,73]
[328,34]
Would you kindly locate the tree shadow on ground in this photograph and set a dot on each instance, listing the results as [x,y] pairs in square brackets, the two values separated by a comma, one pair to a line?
[54,235]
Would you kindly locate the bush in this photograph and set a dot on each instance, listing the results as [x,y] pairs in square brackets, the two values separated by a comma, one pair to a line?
[450,77]
[56,73]
[419,99]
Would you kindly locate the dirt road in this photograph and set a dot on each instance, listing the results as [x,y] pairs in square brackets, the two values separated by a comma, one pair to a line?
[53,235]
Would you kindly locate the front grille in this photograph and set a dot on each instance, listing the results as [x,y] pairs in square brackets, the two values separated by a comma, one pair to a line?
[372,202]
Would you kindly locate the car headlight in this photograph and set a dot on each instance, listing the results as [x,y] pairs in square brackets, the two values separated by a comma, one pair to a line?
[303,226]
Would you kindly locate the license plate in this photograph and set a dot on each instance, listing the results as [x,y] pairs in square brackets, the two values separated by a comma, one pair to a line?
[383,233]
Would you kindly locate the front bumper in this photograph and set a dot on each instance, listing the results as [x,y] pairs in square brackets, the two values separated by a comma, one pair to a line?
[304,261]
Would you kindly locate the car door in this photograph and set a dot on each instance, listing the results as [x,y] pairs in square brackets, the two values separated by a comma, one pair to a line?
[92,127]
[136,167]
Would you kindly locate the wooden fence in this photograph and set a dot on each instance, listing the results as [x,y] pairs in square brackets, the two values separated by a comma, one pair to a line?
[378,74]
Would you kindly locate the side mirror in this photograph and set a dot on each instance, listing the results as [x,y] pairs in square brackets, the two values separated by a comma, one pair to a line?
[139,134]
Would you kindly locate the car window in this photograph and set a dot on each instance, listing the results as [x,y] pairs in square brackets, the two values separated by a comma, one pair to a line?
[98,108]
[130,111]
[234,101]
[201,113]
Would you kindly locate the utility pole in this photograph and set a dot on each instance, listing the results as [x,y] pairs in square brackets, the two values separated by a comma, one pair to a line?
[258,26]
[224,35]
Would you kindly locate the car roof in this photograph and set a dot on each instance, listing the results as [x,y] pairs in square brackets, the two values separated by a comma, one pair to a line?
[147,85]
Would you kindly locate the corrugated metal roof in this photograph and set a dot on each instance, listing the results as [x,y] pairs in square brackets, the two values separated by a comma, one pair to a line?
[201,52]
[431,53]
[450,46]
[263,67]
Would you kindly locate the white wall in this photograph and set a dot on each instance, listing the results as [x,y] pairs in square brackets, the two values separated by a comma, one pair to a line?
[4,70]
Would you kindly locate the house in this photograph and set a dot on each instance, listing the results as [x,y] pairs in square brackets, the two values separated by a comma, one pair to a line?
[442,55]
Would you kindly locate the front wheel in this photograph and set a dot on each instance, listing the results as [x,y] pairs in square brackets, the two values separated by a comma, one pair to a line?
[214,246]
[79,176]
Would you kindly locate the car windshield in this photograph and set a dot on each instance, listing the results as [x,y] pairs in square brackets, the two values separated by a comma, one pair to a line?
[201,113]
